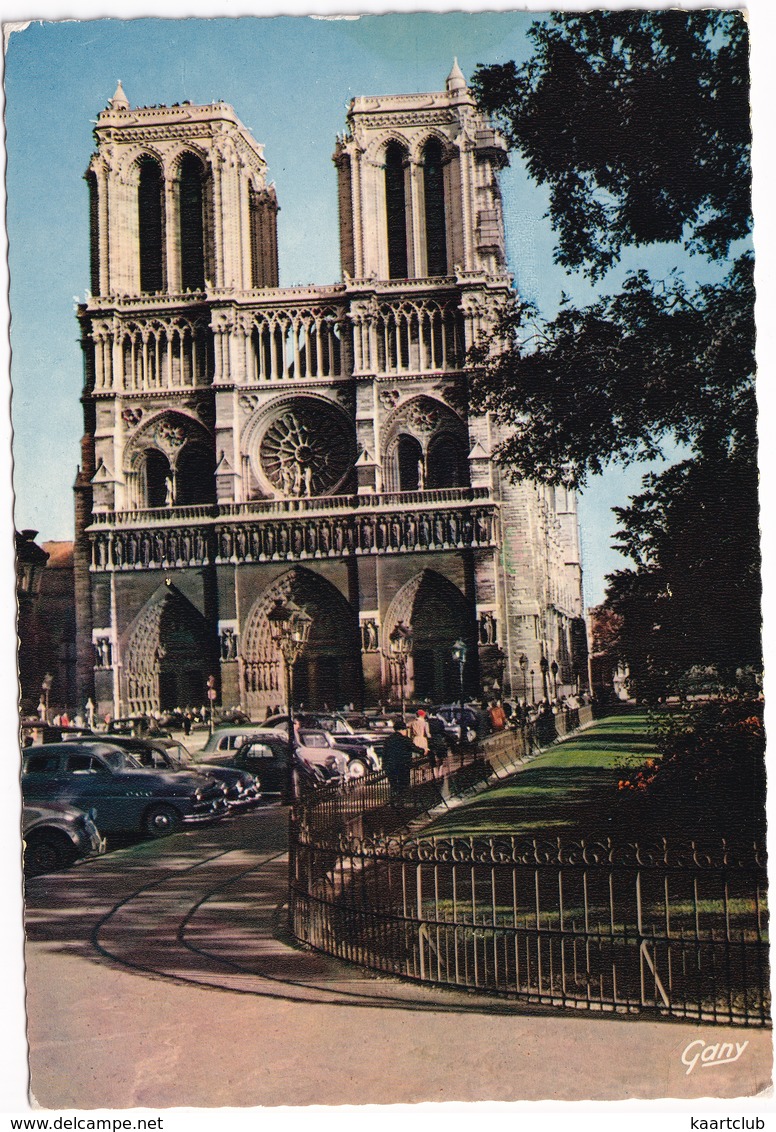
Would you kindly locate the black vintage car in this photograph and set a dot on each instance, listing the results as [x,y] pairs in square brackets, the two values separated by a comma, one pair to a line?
[57,834]
[242,788]
[125,798]
[267,757]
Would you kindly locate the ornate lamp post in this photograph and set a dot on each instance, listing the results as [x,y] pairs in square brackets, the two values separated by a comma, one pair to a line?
[45,688]
[554,671]
[544,664]
[459,658]
[399,651]
[290,627]
[522,660]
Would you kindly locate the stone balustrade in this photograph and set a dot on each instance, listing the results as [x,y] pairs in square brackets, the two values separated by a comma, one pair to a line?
[376,525]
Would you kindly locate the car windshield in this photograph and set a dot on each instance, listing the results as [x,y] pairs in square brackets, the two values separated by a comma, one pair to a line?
[116,759]
[313,739]
[336,725]
[179,755]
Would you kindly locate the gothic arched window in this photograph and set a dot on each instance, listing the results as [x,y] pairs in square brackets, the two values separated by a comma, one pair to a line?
[192,227]
[396,210]
[195,481]
[150,201]
[94,234]
[446,464]
[434,193]
[410,459]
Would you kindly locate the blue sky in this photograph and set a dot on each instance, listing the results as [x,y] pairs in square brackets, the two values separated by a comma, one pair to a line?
[290,79]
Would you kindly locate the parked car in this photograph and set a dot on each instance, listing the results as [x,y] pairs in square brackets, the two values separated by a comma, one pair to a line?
[56,834]
[450,714]
[242,789]
[267,757]
[362,749]
[140,725]
[319,747]
[125,797]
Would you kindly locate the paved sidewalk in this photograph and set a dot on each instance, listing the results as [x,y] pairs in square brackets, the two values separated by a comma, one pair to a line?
[162,975]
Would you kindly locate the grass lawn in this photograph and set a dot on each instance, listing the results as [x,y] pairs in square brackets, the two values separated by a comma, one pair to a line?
[569,792]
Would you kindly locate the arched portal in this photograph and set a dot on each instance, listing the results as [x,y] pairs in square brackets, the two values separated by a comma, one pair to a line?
[439,615]
[328,673]
[168,656]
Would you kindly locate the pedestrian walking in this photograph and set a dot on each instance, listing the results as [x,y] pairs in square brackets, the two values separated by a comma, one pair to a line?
[418,731]
[437,745]
[498,719]
[397,757]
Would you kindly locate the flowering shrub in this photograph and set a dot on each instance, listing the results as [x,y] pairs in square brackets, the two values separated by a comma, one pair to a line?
[712,764]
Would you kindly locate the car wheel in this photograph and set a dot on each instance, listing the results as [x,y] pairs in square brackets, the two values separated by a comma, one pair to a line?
[161,820]
[47,852]
[357,768]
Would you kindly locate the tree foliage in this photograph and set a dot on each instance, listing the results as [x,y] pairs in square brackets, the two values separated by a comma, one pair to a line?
[638,123]
[693,597]
[611,380]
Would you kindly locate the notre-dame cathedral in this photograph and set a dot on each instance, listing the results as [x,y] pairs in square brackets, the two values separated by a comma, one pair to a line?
[245,442]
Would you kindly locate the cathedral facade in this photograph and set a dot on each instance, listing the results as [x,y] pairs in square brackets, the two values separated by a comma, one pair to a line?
[245,442]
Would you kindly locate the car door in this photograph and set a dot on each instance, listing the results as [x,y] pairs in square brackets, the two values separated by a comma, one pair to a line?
[94,785]
[267,761]
[45,778]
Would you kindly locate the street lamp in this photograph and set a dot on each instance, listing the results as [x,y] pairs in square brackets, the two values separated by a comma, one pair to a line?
[459,658]
[399,651]
[289,627]
[45,688]
[544,664]
[522,660]
[533,686]
[554,671]
[211,699]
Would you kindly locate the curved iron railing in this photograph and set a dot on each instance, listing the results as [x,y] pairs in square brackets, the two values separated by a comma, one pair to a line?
[673,930]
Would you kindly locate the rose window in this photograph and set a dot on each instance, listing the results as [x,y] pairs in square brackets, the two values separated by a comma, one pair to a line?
[307,450]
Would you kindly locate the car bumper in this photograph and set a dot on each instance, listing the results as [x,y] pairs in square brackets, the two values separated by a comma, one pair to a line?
[242,801]
[214,811]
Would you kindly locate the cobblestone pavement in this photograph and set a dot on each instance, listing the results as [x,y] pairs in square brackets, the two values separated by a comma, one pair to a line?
[162,975]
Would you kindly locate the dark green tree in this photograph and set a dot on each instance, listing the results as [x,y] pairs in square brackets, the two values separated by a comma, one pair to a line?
[638,123]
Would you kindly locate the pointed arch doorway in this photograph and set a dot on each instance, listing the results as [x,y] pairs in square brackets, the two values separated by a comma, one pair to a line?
[168,656]
[438,614]
[328,674]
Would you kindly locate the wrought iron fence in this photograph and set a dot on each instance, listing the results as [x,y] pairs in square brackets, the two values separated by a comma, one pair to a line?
[678,931]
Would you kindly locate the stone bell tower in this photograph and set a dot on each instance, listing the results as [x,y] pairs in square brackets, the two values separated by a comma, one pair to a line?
[418,187]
